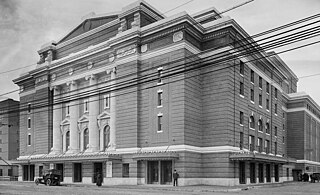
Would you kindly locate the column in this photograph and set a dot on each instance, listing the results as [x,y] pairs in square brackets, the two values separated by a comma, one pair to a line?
[57,112]
[93,113]
[74,108]
[113,110]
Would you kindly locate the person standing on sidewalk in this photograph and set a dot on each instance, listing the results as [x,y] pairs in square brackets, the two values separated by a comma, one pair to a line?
[175,178]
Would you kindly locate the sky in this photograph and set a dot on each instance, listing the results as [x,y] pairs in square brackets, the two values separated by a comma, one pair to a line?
[25,25]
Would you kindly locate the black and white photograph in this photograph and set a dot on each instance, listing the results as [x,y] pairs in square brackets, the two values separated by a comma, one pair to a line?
[160,97]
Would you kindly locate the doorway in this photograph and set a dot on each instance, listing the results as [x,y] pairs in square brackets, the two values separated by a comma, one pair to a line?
[276,173]
[268,173]
[97,169]
[242,172]
[60,167]
[252,173]
[261,173]
[159,172]
[77,172]
[28,173]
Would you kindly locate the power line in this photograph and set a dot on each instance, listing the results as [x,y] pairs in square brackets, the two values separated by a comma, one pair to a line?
[170,62]
[227,67]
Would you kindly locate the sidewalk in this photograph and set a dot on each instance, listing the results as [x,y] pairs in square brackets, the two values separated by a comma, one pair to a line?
[197,188]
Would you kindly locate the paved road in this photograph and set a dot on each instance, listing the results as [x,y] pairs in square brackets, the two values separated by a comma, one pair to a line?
[29,188]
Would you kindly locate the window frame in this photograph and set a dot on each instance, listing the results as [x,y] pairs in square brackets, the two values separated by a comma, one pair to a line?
[106,101]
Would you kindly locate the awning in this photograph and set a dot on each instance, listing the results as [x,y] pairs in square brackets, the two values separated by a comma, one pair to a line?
[252,156]
[156,155]
[98,156]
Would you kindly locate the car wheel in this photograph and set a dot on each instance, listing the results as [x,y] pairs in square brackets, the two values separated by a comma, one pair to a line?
[48,182]
[37,181]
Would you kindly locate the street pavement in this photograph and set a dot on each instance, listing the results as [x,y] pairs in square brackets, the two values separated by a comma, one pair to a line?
[28,188]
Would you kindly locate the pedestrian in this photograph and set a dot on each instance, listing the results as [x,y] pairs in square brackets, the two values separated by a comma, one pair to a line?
[99,180]
[175,178]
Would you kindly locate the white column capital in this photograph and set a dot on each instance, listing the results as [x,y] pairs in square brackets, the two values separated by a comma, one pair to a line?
[73,82]
[112,70]
[91,77]
[55,88]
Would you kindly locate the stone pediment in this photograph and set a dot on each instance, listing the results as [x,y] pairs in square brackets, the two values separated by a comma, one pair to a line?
[65,122]
[103,119]
[87,25]
[83,119]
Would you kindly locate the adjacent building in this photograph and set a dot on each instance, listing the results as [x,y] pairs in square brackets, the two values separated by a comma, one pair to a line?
[134,95]
[9,137]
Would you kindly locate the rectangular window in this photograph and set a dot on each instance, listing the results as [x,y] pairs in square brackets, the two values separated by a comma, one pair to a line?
[267,146]
[275,147]
[241,140]
[275,92]
[29,107]
[259,144]
[10,172]
[29,139]
[159,122]
[283,127]
[241,68]
[241,118]
[267,104]
[29,123]
[275,131]
[260,100]
[160,98]
[241,88]
[260,82]
[252,76]
[0,149]
[276,108]
[1,173]
[267,87]
[160,70]
[252,95]
[125,170]
[283,141]
[0,141]
[68,109]
[86,106]
[251,143]
[106,100]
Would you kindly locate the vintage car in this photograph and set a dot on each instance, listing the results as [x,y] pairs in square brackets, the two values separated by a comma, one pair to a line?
[50,177]
[314,177]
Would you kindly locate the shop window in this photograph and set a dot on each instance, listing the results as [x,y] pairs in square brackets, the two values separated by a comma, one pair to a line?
[125,170]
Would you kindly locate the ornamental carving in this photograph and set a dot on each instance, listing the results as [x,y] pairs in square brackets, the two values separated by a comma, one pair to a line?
[144,48]
[178,36]
[53,77]
[70,71]
[111,57]
[41,79]
[126,51]
[90,65]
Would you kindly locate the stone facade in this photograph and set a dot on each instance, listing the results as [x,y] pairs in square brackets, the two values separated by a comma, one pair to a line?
[141,95]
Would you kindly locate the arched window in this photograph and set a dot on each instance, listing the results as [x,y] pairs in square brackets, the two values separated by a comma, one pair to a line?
[267,128]
[85,138]
[106,136]
[67,140]
[251,122]
[260,125]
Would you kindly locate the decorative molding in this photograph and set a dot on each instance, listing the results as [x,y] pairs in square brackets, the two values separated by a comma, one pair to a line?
[65,126]
[111,58]
[70,71]
[144,48]
[103,119]
[53,77]
[90,65]
[41,79]
[126,51]
[83,123]
[178,36]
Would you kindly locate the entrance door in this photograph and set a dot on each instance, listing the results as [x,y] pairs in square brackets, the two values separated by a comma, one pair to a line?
[25,173]
[166,172]
[268,172]
[153,172]
[60,167]
[97,169]
[252,173]
[242,172]
[260,173]
[276,173]
[77,172]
